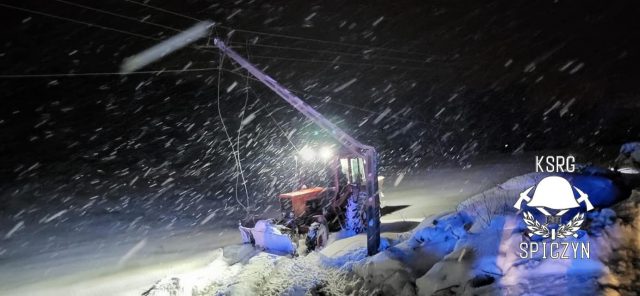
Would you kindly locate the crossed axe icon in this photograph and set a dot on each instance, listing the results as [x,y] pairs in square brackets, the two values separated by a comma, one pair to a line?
[524,196]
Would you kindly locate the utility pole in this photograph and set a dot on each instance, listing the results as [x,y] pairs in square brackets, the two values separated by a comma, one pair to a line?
[368,153]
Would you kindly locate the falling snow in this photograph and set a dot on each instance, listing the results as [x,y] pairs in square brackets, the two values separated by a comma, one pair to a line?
[122,174]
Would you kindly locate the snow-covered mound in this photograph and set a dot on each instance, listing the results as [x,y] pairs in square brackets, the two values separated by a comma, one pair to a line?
[485,260]
[242,270]
[472,251]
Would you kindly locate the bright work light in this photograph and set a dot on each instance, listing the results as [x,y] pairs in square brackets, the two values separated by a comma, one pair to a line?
[326,153]
[307,153]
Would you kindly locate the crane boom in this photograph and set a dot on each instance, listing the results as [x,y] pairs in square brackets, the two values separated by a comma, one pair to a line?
[368,153]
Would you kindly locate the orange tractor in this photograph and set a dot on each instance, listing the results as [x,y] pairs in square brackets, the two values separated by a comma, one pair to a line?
[314,212]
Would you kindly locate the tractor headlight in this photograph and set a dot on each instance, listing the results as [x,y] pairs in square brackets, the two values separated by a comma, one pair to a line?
[326,153]
[307,153]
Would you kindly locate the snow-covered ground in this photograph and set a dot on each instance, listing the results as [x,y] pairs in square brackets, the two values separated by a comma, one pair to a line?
[111,247]
[437,241]
[111,265]
[117,253]
[436,191]
[446,254]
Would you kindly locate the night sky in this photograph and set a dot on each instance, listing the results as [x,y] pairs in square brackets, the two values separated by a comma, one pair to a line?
[436,82]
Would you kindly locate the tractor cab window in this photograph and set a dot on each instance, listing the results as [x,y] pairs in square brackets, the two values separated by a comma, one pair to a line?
[353,168]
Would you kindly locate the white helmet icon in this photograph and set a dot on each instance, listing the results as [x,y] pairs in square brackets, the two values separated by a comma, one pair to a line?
[554,193]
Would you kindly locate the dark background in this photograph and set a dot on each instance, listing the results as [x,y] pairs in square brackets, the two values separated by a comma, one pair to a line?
[463,78]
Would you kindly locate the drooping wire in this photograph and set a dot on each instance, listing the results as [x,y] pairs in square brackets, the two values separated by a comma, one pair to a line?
[244,110]
[236,155]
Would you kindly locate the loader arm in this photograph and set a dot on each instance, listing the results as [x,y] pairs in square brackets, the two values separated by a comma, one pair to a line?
[368,153]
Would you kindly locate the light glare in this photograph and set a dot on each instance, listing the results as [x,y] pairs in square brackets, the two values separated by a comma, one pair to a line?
[326,153]
[307,153]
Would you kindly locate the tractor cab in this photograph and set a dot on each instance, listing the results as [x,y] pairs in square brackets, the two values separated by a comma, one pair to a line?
[323,207]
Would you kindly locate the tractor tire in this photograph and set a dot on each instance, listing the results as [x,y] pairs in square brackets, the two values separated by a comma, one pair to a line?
[357,213]
[317,237]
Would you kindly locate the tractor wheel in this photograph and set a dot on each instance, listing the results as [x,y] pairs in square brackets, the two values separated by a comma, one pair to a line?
[317,237]
[357,213]
[323,236]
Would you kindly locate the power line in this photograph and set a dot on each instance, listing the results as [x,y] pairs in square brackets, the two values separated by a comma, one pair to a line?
[118,15]
[77,21]
[323,41]
[330,52]
[158,72]
[355,107]
[307,95]
[280,35]
[205,48]
[201,48]
[163,10]
[56,75]
[340,63]
[49,75]
[254,45]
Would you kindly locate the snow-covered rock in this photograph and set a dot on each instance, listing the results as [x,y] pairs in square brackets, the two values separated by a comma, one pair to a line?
[619,243]
[386,275]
